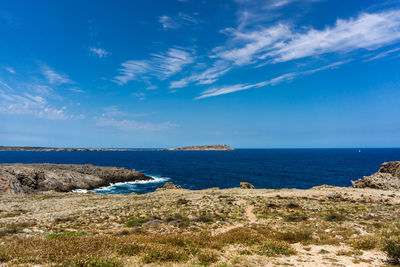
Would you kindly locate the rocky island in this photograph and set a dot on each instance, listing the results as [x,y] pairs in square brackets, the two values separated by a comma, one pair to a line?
[35,148]
[202,148]
[321,226]
[31,178]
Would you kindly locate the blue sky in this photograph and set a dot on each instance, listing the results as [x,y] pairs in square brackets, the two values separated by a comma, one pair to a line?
[248,73]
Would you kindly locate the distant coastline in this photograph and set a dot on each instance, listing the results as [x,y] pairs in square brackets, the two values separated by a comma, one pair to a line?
[189,148]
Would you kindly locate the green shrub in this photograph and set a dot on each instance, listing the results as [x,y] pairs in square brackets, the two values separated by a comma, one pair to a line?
[295,218]
[296,236]
[182,201]
[275,248]
[292,205]
[205,219]
[207,257]
[92,262]
[136,222]
[131,249]
[392,249]
[165,254]
[334,217]
[4,257]
[365,243]
[56,235]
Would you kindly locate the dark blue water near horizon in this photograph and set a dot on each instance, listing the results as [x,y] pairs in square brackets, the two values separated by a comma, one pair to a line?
[264,168]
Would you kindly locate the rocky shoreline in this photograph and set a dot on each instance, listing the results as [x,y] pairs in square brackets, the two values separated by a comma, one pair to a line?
[31,178]
[387,178]
[321,226]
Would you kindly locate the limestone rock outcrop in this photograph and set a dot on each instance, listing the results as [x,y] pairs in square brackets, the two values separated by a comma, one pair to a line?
[169,185]
[246,185]
[387,178]
[30,178]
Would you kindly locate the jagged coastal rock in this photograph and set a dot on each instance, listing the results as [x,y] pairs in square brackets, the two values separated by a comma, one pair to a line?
[30,178]
[246,185]
[387,178]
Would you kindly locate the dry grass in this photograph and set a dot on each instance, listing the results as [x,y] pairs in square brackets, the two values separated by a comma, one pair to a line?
[188,228]
[150,248]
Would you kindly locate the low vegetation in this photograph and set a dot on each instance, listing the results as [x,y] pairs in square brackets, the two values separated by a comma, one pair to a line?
[194,228]
[392,248]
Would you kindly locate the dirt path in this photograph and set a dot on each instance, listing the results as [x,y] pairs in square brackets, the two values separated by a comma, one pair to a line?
[250,214]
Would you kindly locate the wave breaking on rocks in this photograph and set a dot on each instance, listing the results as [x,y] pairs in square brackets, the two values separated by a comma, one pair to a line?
[31,178]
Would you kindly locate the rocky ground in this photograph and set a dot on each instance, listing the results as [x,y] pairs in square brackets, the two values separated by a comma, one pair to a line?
[323,226]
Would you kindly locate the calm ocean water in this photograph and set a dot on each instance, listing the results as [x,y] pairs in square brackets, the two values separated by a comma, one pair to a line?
[264,168]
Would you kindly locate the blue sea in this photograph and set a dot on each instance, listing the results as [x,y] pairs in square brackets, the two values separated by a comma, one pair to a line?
[264,168]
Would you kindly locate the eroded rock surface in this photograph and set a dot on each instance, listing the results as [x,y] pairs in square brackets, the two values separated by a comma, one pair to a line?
[387,178]
[169,185]
[30,178]
[246,185]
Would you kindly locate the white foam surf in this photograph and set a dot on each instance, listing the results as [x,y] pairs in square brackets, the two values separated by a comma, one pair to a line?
[80,191]
[115,186]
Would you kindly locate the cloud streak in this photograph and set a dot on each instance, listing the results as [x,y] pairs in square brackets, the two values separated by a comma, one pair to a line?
[99,52]
[383,54]
[178,21]
[208,76]
[282,43]
[53,77]
[160,66]
[282,78]
[27,104]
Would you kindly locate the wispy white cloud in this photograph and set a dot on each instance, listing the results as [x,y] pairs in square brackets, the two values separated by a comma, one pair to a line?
[133,125]
[27,104]
[3,84]
[207,76]
[383,54]
[367,31]
[30,96]
[76,90]
[168,22]
[255,43]
[53,77]
[10,70]
[176,22]
[98,52]
[216,91]
[277,4]
[140,95]
[160,66]
[280,43]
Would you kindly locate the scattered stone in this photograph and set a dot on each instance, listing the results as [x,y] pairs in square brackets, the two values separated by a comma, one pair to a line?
[246,185]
